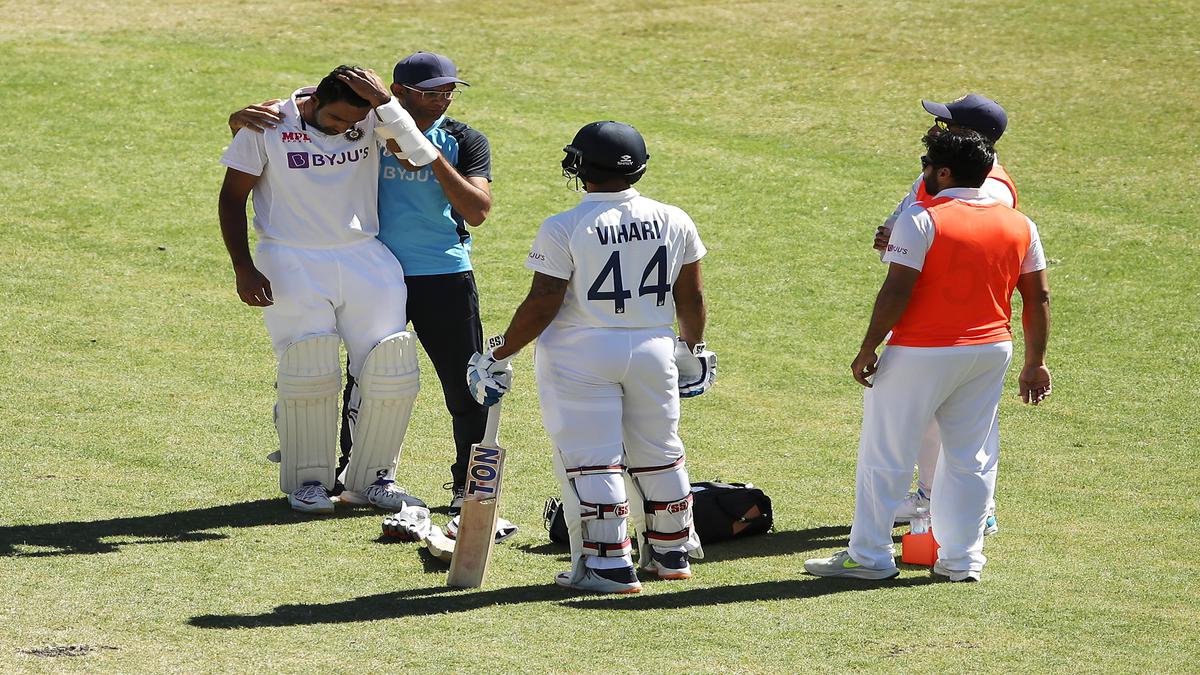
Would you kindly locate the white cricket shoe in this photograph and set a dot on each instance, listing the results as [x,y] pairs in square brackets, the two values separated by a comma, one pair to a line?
[908,508]
[842,565]
[670,565]
[312,497]
[955,575]
[618,580]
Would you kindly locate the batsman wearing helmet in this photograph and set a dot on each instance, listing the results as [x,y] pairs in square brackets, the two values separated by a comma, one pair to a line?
[610,277]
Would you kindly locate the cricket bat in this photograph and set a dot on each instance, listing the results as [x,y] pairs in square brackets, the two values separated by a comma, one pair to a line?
[480,509]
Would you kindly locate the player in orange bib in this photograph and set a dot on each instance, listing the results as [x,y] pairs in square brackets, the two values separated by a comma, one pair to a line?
[981,114]
[954,261]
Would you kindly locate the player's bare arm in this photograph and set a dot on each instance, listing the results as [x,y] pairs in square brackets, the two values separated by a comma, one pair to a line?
[367,84]
[252,286]
[1034,381]
[689,304]
[257,117]
[539,308]
[470,197]
[890,303]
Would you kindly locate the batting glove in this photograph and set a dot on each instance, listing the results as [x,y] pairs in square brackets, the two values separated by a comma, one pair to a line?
[487,378]
[697,368]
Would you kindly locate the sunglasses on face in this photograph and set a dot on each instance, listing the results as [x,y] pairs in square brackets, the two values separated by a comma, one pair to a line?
[433,95]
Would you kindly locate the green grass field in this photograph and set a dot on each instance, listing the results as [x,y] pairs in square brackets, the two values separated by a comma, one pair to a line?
[141,528]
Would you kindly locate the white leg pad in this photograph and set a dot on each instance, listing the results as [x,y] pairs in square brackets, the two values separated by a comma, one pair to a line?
[387,389]
[666,496]
[596,513]
[308,383]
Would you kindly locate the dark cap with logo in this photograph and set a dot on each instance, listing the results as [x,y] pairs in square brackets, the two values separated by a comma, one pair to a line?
[425,70]
[973,112]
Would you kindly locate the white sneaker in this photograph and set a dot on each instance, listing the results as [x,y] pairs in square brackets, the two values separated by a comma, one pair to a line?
[671,565]
[908,507]
[619,580]
[955,575]
[842,565]
[386,495]
[312,497]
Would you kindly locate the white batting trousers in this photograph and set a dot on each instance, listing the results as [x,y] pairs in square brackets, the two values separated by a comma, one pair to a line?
[960,388]
[610,396]
[356,291]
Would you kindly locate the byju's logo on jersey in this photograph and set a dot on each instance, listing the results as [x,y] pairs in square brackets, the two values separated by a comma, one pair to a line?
[309,160]
[353,134]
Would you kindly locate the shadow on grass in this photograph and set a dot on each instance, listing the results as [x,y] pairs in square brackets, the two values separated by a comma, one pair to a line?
[771,544]
[76,537]
[779,543]
[442,600]
[416,602]
[792,589]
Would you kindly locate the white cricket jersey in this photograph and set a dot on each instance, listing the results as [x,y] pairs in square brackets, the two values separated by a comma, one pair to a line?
[622,253]
[314,190]
[913,233]
[991,187]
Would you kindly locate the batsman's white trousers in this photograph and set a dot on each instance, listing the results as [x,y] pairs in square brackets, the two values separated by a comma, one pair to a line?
[959,387]
[612,393]
[611,388]
[356,291]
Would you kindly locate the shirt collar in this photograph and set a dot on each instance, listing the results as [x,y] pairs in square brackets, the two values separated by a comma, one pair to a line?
[969,194]
[621,196]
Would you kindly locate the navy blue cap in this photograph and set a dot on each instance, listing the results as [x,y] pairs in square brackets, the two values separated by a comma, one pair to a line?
[973,112]
[426,70]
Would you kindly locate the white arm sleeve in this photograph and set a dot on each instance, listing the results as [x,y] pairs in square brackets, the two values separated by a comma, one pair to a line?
[551,251]
[1035,257]
[693,248]
[909,200]
[912,235]
[246,153]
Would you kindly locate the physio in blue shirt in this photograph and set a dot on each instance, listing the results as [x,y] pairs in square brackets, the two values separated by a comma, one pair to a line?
[424,214]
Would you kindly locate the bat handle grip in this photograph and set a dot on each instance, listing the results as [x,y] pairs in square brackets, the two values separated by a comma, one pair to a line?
[491,432]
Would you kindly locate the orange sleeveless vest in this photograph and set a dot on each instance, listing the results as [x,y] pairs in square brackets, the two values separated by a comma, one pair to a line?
[964,293]
[997,172]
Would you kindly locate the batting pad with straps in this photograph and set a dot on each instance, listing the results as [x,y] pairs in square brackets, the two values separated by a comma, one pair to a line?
[308,384]
[382,404]
[667,507]
[596,511]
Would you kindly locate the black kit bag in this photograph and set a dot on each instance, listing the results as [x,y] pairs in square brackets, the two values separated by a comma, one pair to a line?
[720,511]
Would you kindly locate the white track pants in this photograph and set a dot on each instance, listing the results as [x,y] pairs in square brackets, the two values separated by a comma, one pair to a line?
[356,291]
[960,388]
[610,396]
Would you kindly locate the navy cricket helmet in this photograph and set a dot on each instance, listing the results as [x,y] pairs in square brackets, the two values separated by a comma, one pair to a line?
[605,150]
